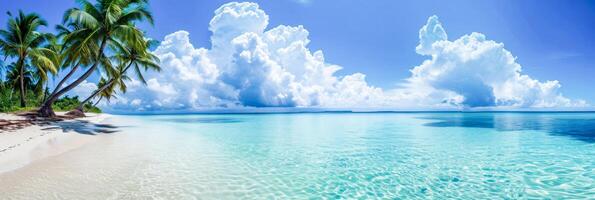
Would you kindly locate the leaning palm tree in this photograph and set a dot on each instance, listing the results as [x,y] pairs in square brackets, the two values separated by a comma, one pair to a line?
[72,58]
[22,41]
[55,47]
[117,80]
[142,59]
[102,23]
[107,93]
[128,56]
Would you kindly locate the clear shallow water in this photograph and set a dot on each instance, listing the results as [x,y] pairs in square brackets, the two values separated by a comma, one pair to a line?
[298,156]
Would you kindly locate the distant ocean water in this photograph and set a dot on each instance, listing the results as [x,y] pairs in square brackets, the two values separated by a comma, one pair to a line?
[328,155]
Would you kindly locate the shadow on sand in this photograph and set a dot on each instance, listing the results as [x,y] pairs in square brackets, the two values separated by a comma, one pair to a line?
[83,127]
[65,123]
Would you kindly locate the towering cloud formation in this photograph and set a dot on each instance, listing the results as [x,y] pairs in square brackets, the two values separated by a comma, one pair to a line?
[481,71]
[429,34]
[245,66]
[248,65]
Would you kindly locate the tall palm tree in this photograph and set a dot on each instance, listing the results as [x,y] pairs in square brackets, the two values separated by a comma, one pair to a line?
[81,56]
[13,77]
[22,41]
[33,79]
[128,56]
[103,23]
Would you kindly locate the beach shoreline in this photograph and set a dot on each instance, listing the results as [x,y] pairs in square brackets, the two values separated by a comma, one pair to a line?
[39,139]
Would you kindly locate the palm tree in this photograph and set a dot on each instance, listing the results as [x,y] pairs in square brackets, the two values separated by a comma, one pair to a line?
[103,23]
[81,56]
[105,88]
[107,93]
[13,77]
[140,59]
[42,78]
[22,41]
[33,79]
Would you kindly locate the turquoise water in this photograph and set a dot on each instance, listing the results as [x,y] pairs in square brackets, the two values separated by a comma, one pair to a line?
[439,155]
[341,155]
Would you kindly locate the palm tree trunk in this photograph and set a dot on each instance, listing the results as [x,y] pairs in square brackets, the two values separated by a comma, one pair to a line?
[109,83]
[98,100]
[21,66]
[45,91]
[80,107]
[59,86]
[46,109]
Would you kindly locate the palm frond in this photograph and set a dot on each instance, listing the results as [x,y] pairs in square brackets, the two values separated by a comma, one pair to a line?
[81,17]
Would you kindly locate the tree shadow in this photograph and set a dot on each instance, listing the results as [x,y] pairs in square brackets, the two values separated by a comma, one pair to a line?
[82,127]
[64,122]
[576,126]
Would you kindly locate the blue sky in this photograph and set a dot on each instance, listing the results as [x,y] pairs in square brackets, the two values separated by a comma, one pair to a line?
[552,40]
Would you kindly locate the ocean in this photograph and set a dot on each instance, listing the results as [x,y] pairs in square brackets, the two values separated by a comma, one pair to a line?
[425,155]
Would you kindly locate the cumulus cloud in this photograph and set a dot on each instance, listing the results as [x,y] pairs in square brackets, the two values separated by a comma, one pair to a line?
[248,65]
[245,66]
[481,72]
[83,90]
[429,34]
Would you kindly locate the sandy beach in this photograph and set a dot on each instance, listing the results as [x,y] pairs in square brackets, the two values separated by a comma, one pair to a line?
[37,139]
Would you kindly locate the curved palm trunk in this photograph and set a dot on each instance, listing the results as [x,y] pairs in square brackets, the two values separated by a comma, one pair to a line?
[80,107]
[99,100]
[45,91]
[21,66]
[109,83]
[46,109]
[59,86]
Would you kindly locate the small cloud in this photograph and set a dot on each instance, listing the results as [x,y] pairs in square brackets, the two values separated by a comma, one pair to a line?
[83,90]
[303,1]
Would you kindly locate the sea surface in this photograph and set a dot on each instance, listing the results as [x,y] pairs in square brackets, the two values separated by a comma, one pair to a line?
[323,156]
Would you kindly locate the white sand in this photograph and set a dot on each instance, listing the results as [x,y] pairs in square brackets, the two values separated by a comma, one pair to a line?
[23,146]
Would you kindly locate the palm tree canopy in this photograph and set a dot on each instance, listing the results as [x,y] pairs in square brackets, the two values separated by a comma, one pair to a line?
[32,79]
[108,92]
[22,41]
[108,20]
[74,53]
[127,57]
[13,75]
[102,23]
[140,59]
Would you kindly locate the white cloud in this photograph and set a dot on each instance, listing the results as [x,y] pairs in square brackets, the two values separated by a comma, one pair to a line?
[245,66]
[480,71]
[248,65]
[430,34]
[83,90]
[303,1]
